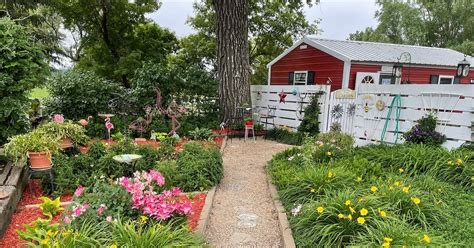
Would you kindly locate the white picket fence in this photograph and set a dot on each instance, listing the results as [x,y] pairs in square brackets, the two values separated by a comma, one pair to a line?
[453,105]
[341,109]
[363,114]
[289,113]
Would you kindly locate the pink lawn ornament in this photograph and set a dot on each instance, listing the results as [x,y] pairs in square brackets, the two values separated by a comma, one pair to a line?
[58,118]
[108,125]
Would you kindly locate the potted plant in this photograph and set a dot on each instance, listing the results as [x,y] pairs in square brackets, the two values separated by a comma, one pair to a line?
[36,145]
[84,144]
[67,132]
[248,121]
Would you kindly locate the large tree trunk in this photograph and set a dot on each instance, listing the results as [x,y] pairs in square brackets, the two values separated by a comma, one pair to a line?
[233,66]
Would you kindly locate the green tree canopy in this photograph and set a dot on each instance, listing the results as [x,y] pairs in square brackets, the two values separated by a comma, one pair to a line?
[22,67]
[439,23]
[273,27]
[116,36]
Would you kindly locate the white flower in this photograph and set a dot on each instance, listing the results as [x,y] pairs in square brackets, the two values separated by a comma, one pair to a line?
[291,158]
[296,211]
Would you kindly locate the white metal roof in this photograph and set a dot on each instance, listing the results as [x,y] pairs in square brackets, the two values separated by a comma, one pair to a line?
[354,51]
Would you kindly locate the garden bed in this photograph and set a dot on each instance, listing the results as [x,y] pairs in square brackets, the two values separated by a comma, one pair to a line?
[377,195]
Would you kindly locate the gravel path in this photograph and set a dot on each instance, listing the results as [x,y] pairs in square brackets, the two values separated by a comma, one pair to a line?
[243,214]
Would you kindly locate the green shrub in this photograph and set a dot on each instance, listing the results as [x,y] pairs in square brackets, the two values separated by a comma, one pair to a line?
[23,67]
[341,140]
[168,169]
[78,94]
[285,136]
[424,132]
[310,122]
[199,167]
[201,134]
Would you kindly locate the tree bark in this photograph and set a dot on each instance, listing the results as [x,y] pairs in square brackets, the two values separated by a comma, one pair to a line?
[233,68]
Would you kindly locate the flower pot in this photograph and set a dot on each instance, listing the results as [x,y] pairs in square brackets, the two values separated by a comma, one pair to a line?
[249,123]
[65,143]
[140,141]
[40,160]
[84,149]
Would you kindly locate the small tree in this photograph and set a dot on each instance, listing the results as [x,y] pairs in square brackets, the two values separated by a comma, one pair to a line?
[310,123]
[22,67]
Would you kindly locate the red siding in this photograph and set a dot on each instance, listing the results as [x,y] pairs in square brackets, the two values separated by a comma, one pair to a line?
[355,68]
[309,59]
[421,75]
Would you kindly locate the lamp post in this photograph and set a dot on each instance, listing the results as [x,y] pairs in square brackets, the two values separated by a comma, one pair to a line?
[463,68]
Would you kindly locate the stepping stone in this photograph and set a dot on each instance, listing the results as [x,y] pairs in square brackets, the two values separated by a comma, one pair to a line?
[233,186]
[247,220]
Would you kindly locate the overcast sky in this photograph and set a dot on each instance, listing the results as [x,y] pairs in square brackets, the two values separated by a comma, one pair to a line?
[339,18]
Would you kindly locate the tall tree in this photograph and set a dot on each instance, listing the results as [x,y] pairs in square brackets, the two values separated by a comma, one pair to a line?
[441,23]
[233,68]
[273,27]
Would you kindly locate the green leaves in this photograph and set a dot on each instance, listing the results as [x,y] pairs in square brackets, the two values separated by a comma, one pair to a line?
[50,207]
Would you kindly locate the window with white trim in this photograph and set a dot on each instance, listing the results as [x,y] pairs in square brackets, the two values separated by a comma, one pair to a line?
[443,79]
[300,77]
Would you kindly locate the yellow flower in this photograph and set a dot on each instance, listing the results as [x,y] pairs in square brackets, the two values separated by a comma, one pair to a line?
[348,202]
[321,145]
[349,217]
[329,153]
[330,174]
[416,200]
[44,242]
[397,183]
[459,161]
[312,190]
[364,212]
[386,245]
[387,239]
[390,188]
[373,189]
[450,162]
[320,209]
[382,213]
[113,246]
[359,179]
[352,210]
[143,219]
[472,178]
[405,189]
[361,220]
[426,238]
[401,170]
[341,216]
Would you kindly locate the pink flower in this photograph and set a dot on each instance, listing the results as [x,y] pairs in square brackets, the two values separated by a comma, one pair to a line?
[79,210]
[67,220]
[79,190]
[101,209]
[108,218]
[58,118]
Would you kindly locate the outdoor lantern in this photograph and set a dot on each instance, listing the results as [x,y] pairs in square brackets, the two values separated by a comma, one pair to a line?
[463,68]
[397,70]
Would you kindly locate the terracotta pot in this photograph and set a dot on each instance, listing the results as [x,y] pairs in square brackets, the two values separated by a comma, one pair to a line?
[66,143]
[84,149]
[40,160]
[140,141]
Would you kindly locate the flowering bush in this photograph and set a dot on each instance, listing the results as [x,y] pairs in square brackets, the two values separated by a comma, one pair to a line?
[157,205]
[424,132]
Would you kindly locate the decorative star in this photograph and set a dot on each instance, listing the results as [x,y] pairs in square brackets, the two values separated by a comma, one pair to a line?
[282,96]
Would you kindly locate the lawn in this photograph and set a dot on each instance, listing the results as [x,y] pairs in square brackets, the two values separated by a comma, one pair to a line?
[405,195]
[39,93]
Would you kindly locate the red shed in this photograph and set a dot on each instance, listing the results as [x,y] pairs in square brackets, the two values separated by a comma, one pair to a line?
[343,64]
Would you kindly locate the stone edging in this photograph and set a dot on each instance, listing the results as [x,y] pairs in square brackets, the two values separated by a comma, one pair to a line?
[286,234]
[206,211]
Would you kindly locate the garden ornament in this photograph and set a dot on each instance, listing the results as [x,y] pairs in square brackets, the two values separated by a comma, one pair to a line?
[108,125]
[141,124]
[294,92]
[85,122]
[282,96]
[173,111]
[380,105]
